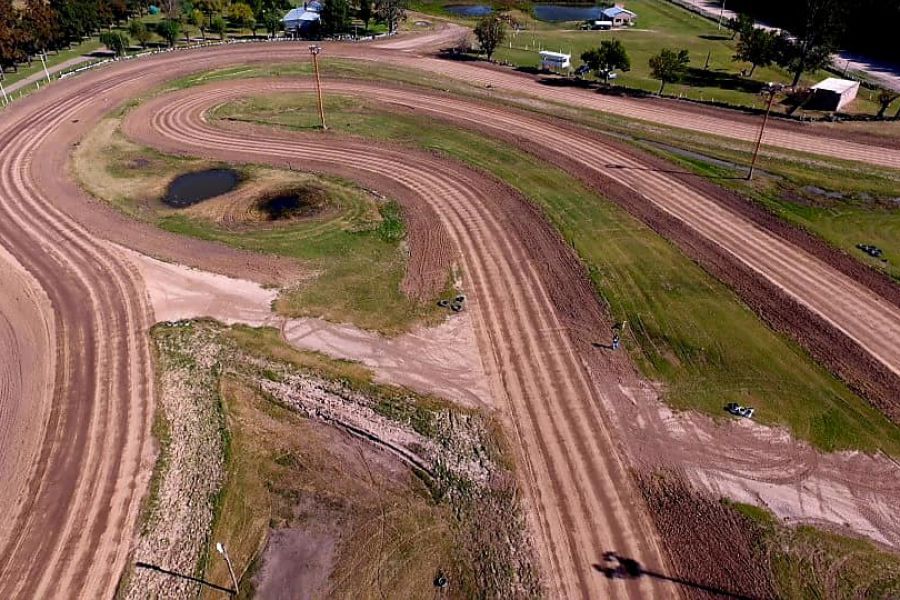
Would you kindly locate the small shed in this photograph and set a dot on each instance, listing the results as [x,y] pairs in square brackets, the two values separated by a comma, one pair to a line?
[833,94]
[555,61]
[618,15]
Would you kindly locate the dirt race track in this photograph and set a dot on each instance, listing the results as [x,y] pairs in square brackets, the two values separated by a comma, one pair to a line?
[70,523]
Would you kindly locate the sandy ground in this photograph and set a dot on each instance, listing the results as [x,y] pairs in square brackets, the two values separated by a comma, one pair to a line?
[74,537]
[26,375]
[440,360]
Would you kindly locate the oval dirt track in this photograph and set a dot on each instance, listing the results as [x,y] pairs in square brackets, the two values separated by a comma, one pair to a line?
[72,531]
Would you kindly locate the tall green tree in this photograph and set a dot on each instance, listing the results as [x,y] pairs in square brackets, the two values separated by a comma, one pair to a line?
[335,16]
[219,27]
[741,25]
[609,57]
[757,47]
[814,39]
[241,15]
[390,12]
[490,31]
[669,66]
[38,20]
[116,41]
[272,22]
[168,29]
[364,12]
[138,31]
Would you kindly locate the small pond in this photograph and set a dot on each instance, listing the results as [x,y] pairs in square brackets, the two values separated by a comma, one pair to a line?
[192,188]
[542,12]
[469,10]
[566,12]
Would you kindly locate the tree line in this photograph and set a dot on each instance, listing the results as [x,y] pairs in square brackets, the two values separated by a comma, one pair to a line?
[865,26]
[38,27]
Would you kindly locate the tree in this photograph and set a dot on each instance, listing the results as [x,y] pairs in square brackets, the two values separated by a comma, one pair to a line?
[218,26]
[391,12]
[668,66]
[38,20]
[490,33]
[272,21]
[335,16]
[139,32]
[757,47]
[364,12]
[241,15]
[168,29]
[815,41]
[741,26]
[885,97]
[606,59]
[210,8]
[196,19]
[117,42]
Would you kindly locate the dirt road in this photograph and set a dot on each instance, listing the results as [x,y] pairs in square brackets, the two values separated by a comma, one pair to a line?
[72,530]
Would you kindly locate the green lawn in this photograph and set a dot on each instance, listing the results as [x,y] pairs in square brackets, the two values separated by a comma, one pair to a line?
[688,331]
[53,59]
[662,24]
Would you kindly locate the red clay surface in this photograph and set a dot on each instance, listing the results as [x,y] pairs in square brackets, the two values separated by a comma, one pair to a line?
[72,530]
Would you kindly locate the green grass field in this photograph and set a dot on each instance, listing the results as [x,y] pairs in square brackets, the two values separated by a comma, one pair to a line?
[689,331]
[660,24]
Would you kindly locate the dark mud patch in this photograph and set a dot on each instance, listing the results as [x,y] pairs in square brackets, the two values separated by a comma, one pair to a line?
[191,188]
[296,203]
[295,564]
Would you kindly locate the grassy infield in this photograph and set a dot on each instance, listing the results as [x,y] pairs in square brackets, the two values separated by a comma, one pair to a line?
[660,24]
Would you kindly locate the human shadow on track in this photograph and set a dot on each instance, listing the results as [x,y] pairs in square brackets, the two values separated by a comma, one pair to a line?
[621,567]
[150,567]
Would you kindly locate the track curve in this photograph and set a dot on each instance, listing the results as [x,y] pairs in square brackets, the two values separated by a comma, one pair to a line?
[72,532]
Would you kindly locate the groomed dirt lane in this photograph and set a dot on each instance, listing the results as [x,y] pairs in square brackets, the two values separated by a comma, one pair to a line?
[70,534]
[586,503]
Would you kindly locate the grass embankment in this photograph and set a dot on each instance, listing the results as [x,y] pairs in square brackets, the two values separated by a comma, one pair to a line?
[807,562]
[355,245]
[660,24]
[689,331]
[347,517]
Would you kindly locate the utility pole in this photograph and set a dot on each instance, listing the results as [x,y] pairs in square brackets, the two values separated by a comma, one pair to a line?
[721,14]
[3,92]
[772,89]
[220,547]
[44,62]
[315,50]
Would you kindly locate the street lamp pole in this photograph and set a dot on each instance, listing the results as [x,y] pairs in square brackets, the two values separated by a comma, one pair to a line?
[44,62]
[771,89]
[220,548]
[3,93]
[315,50]
[721,13]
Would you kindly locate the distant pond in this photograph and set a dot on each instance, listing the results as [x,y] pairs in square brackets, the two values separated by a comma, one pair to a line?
[542,12]
[195,187]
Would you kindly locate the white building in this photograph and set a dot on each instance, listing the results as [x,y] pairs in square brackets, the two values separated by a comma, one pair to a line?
[833,94]
[555,61]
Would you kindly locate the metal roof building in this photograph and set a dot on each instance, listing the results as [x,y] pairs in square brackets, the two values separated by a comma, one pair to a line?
[833,94]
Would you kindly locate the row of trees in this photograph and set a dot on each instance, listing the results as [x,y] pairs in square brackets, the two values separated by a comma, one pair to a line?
[865,26]
[42,26]
[337,14]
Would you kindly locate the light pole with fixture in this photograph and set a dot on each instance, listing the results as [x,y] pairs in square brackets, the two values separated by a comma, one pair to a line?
[315,50]
[772,89]
[721,13]
[220,548]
